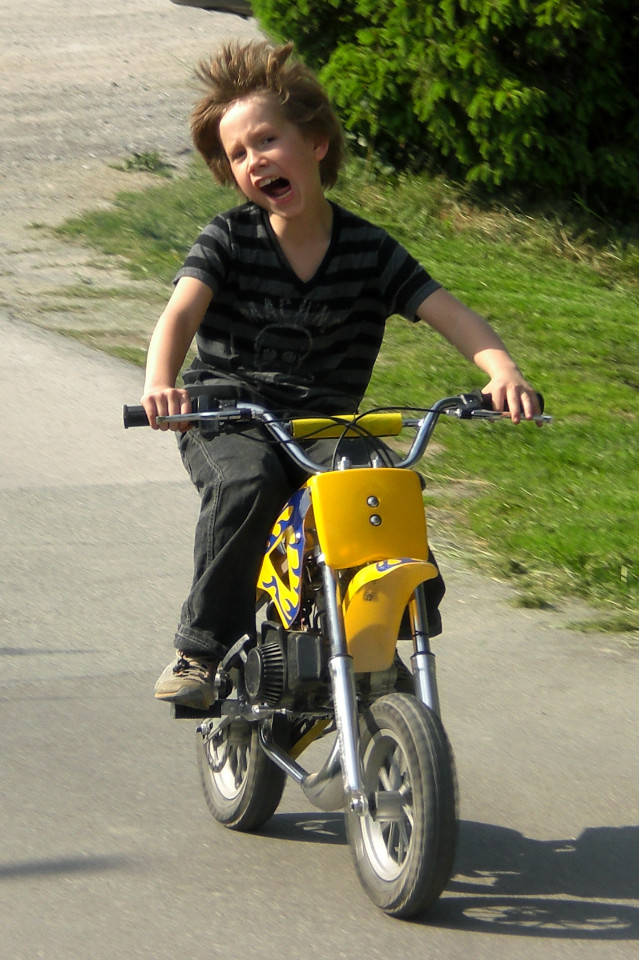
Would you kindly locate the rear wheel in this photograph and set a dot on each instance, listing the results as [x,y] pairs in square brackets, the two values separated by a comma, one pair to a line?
[241,785]
[404,848]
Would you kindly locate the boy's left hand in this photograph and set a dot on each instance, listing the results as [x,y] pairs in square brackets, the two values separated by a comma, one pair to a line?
[514,394]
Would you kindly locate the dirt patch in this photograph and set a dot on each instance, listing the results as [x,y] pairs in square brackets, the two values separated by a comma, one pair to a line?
[85,87]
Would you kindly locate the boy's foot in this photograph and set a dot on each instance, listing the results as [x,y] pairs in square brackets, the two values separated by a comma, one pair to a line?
[189,681]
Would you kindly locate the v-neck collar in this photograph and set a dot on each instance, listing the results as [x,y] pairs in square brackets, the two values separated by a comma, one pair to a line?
[321,269]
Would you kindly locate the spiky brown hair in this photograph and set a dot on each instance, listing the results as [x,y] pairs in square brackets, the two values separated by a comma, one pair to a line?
[241,70]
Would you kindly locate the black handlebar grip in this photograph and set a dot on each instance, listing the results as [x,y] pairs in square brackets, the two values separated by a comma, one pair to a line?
[134,417]
[487,402]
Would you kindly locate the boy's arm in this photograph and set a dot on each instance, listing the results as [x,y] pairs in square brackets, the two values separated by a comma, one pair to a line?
[169,344]
[477,341]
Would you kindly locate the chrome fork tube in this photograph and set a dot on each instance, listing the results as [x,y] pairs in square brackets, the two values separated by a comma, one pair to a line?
[423,658]
[344,697]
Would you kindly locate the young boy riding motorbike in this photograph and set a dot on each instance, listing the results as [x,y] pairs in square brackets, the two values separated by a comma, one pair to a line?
[287,296]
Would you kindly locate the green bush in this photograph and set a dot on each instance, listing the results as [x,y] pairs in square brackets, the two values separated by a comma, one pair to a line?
[536,95]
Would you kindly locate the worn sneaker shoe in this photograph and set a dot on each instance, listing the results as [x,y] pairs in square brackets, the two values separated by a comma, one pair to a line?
[189,681]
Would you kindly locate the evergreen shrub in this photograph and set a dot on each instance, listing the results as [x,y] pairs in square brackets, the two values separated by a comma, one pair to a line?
[533,94]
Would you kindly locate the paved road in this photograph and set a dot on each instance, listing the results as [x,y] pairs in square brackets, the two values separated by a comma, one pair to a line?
[106,846]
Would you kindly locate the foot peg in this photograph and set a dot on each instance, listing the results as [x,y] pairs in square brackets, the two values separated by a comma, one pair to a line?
[180,712]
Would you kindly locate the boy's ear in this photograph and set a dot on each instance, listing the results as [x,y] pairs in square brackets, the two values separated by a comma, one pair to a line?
[321,149]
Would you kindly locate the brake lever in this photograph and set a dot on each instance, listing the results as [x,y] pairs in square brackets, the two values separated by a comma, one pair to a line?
[505,414]
[206,415]
[474,406]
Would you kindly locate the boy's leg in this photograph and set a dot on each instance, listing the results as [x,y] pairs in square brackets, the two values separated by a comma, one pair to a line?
[243,486]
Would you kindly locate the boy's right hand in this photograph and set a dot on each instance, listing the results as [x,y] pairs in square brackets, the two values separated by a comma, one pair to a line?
[167,402]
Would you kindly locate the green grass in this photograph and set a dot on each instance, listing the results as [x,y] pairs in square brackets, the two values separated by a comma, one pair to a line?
[556,508]
[149,162]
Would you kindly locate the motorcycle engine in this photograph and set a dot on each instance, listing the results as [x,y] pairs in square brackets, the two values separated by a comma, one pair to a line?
[285,666]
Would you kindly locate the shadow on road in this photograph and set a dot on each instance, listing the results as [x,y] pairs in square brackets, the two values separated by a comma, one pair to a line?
[307,827]
[507,883]
[61,866]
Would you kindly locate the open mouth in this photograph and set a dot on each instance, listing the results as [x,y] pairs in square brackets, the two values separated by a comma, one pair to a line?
[276,187]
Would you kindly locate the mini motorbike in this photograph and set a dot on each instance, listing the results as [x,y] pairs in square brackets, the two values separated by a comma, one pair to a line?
[342,579]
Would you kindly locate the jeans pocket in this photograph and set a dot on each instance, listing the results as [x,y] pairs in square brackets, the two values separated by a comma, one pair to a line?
[198,460]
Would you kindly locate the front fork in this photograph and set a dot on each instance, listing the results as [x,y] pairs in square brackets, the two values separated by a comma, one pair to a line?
[423,659]
[343,683]
[344,697]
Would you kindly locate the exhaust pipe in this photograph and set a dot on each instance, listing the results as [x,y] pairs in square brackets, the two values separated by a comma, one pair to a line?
[325,788]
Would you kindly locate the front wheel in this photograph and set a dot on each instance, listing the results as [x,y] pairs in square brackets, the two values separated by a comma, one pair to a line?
[404,848]
[241,785]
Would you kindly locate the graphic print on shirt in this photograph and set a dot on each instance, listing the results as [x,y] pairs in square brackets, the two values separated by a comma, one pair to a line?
[288,333]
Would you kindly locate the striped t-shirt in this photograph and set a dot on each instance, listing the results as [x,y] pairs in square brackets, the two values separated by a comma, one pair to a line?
[294,344]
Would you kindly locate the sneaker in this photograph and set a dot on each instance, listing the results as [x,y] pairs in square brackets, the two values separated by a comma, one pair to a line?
[189,681]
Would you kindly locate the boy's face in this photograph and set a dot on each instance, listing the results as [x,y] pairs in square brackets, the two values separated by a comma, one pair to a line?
[273,163]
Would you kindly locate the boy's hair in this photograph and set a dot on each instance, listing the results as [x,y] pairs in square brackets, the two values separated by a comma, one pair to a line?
[243,70]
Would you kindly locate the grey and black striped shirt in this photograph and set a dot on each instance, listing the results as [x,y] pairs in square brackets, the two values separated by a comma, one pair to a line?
[299,345]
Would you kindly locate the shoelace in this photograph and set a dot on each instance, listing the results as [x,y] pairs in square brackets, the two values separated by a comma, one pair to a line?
[184,665]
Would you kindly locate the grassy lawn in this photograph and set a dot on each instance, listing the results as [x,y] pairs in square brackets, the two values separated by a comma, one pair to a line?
[557,508]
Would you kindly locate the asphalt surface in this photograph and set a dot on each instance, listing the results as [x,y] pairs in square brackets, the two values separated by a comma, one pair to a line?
[106,845]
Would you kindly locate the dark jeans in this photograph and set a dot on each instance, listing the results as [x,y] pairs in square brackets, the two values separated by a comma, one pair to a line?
[243,480]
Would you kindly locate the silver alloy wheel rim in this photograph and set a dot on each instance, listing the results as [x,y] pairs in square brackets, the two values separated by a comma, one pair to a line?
[228,764]
[387,843]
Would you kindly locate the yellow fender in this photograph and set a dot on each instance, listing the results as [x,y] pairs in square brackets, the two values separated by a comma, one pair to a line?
[374,605]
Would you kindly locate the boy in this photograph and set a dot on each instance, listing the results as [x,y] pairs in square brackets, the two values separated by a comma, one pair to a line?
[287,295]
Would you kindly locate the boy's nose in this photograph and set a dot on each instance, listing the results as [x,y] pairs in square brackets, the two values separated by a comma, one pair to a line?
[256,159]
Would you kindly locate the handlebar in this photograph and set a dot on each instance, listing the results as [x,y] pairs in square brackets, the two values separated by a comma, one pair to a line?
[134,416]
[227,416]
